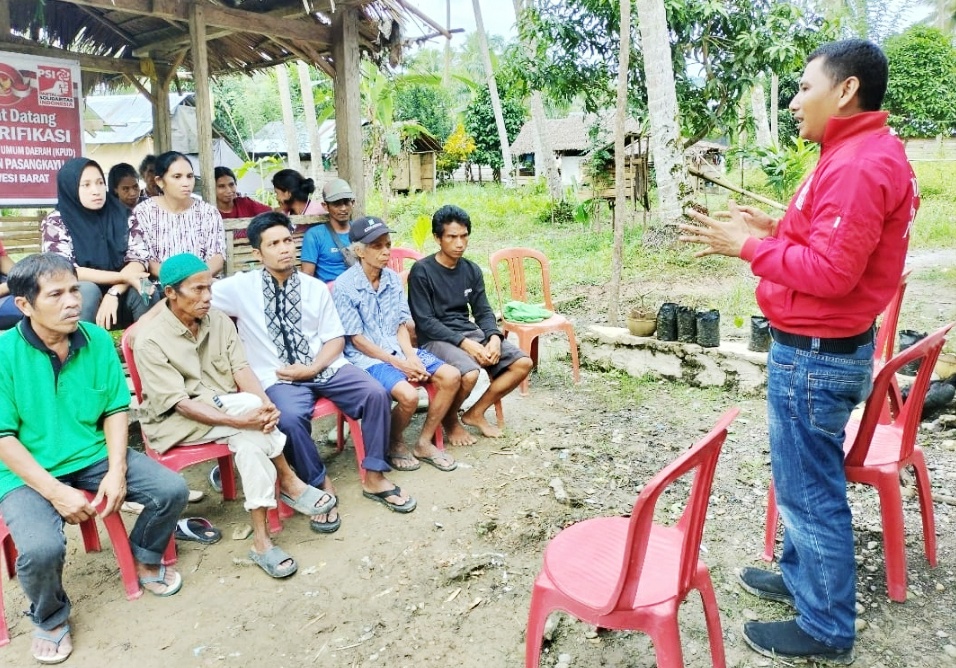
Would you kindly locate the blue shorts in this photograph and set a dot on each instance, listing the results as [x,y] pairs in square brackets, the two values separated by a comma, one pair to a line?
[390,376]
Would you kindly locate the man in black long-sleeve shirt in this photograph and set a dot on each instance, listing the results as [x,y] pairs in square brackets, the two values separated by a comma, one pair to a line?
[454,322]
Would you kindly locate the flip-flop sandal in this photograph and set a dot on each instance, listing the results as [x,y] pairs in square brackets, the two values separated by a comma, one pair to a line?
[198,529]
[160,578]
[305,503]
[393,461]
[329,526]
[56,639]
[195,496]
[382,497]
[215,479]
[437,462]
[270,561]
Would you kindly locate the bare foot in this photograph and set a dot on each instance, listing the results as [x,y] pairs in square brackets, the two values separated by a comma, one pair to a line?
[53,646]
[327,523]
[479,421]
[458,435]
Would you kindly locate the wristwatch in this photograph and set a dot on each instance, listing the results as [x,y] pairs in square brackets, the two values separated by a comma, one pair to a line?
[113,292]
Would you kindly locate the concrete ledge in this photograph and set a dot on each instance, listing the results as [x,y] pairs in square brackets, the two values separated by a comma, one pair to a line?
[729,366]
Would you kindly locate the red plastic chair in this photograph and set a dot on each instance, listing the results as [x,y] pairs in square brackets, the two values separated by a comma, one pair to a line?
[630,573]
[876,452]
[528,333]
[181,456]
[396,261]
[119,539]
[8,552]
[886,334]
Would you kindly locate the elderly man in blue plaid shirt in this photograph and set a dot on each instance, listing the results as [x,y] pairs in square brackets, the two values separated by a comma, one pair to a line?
[374,311]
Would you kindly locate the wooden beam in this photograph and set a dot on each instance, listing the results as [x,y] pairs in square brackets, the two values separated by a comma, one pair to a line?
[424,17]
[237,20]
[197,31]
[175,43]
[112,27]
[87,62]
[348,116]
[4,20]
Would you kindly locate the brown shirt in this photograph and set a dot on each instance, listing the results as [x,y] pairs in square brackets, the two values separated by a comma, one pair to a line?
[174,365]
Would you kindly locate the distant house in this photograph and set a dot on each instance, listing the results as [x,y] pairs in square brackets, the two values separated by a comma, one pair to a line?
[415,168]
[571,141]
[270,140]
[126,134]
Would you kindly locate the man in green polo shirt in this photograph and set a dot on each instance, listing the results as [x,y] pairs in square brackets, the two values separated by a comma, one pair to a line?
[63,429]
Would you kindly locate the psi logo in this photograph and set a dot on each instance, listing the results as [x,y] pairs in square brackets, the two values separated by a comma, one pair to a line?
[56,86]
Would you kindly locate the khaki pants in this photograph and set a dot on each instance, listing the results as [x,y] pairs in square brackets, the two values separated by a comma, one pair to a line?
[252,449]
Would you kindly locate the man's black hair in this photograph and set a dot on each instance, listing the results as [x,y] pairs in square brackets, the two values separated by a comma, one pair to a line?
[149,160]
[447,215]
[857,58]
[263,222]
[24,279]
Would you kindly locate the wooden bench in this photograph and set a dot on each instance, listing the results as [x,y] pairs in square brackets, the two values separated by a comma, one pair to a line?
[239,252]
[21,234]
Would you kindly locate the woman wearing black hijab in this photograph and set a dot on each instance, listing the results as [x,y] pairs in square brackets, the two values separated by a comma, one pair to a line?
[93,229]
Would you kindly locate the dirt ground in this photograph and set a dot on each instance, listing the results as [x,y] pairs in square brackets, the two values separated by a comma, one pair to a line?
[450,584]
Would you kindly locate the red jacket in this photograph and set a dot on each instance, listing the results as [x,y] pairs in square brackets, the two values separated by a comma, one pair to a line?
[836,256]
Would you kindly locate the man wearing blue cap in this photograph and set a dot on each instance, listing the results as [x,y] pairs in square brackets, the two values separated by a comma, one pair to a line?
[371,302]
[198,387]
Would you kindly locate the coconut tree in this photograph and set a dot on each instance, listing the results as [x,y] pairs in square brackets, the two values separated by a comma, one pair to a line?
[507,177]
[620,200]
[665,140]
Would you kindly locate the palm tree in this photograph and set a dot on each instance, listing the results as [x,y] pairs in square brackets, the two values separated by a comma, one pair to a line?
[507,177]
[665,140]
[620,199]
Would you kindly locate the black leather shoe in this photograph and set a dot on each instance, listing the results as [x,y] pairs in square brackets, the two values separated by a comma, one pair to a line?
[766,585]
[786,640]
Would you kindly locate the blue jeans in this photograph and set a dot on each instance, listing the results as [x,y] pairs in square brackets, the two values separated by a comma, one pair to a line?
[37,529]
[809,399]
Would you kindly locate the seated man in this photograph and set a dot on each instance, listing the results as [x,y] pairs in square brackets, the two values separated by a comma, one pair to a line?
[371,302]
[198,387]
[444,291]
[63,429]
[294,339]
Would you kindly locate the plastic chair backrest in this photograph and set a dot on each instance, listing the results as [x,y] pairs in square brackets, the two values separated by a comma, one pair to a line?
[127,349]
[910,412]
[515,257]
[886,334]
[701,456]
[396,261]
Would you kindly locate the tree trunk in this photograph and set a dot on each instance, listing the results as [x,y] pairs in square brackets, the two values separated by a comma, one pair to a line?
[775,109]
[544,155]
[288,120]
[311,123]
[666,145]
[758,106]
[507,172]
[620,198]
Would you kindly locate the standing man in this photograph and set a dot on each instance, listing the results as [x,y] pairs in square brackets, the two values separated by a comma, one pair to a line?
[198,387]
[445,291]
[371,302]
[294,340]
[826,269]
[63,429]
[325,248]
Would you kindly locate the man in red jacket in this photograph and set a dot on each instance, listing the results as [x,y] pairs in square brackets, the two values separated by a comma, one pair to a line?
[827,269]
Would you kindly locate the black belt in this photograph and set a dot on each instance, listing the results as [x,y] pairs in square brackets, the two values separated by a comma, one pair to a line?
[845,345]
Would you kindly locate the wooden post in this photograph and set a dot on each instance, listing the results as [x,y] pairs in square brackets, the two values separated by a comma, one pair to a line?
[159,101]
[197,38]
[348,118]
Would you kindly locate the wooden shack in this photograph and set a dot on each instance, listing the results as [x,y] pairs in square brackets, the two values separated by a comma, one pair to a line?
[415,168]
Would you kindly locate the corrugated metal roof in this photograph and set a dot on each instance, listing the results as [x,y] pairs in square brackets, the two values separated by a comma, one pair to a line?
[270,140]
[126,118]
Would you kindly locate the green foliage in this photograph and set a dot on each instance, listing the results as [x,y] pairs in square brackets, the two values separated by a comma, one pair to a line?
[421,230]
[785,166]
[718,47]
[428,105]
[561,212]
[457,149]
[922,89]
[480,124]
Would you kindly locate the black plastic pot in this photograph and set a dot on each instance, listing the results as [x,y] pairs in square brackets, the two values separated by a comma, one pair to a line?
[686,324]
[759,334]
[907,338]
[667,322]
[708,328]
